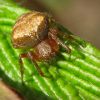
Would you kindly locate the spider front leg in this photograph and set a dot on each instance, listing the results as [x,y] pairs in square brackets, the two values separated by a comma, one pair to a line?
[53,32]
[29,55]
[63,45]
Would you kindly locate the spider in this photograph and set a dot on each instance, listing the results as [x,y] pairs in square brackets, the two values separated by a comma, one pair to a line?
[36,30]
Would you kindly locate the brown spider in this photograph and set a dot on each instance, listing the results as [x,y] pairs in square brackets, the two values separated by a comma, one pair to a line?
[36,30]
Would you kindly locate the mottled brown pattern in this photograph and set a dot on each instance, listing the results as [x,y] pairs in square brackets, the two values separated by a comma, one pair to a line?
[37,30]
[29,29]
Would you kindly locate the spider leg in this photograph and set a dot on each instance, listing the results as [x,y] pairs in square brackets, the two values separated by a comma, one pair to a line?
[63,45]
[53,34]
[66,47]
[31,57]
[21,64]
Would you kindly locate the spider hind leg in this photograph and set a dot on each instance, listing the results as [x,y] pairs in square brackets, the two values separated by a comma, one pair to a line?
[31,57]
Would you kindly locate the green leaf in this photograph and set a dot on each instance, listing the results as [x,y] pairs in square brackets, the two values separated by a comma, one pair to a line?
[72,77]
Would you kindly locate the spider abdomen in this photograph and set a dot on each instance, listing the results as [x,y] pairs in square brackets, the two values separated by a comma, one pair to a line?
[29,29]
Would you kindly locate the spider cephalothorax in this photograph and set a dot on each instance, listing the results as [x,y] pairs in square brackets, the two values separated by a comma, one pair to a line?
[35,30]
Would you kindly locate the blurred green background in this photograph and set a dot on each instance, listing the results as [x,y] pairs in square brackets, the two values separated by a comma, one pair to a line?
[82,17]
